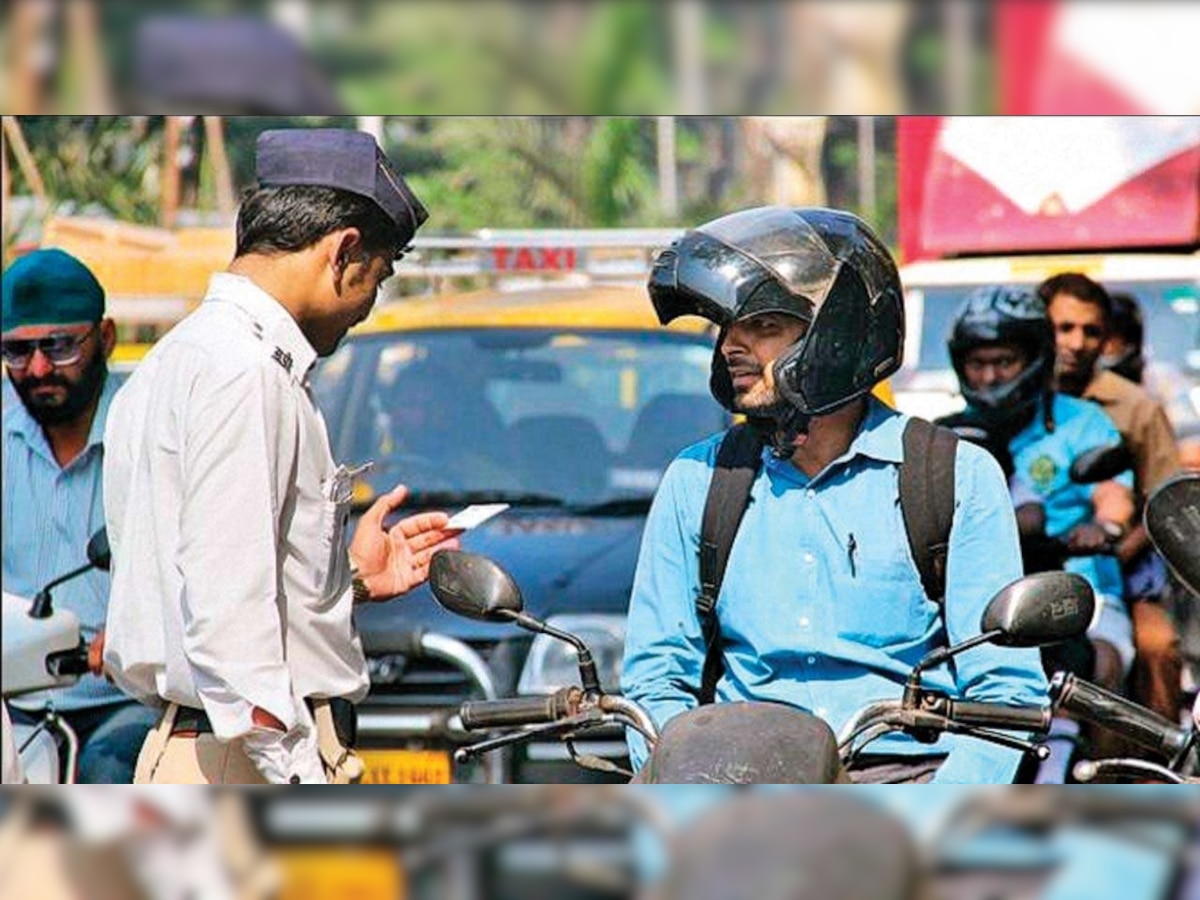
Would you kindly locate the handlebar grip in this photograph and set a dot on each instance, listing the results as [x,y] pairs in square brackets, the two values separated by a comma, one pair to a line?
[70,662]
[1005,718]
[1105,709]
[485,715]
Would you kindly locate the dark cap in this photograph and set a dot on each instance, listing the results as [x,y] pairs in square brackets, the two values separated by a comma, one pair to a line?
[50,287]
[226,64]
[340,158]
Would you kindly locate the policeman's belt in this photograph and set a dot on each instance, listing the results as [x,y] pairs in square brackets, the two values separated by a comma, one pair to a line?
[192,721]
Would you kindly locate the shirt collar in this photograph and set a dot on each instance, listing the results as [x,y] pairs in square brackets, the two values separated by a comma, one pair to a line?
[880,436]
[275,325]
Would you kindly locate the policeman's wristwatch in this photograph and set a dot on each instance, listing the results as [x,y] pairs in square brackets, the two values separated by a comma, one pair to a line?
[358,587]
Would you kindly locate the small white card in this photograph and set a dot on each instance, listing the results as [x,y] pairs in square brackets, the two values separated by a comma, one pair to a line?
[474,516]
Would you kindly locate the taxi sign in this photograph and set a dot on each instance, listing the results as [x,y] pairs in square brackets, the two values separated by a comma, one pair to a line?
[536,259]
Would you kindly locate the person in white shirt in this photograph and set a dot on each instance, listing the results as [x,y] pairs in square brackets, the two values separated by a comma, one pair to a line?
[233,587]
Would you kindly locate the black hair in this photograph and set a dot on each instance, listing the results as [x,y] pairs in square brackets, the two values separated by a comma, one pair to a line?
[290,218]
[1127,318]
[1079,286]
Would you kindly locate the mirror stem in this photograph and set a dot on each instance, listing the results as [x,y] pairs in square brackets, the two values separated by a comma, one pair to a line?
[588,677]
[590,680]
[942,654]
[42,608]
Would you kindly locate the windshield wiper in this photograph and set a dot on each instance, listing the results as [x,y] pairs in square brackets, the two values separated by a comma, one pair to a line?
[623,506]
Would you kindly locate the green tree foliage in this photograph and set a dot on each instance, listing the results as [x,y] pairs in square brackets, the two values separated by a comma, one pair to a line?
[95,163]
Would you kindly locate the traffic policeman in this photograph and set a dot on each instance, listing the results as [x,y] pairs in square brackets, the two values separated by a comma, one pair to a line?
[233,586]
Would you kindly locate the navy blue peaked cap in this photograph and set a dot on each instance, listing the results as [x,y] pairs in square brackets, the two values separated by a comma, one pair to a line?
[340,158]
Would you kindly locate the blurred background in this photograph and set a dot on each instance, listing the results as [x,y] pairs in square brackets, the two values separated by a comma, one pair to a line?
[694,57]
[620,120]
[595,843]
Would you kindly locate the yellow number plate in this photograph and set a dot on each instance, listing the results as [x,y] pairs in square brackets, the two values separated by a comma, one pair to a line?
[335,873]
[406,766]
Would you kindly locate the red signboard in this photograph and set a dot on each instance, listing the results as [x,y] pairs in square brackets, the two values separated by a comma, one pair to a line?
[1008,185]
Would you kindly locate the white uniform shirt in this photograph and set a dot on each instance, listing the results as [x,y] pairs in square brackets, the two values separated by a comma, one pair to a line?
[230,573]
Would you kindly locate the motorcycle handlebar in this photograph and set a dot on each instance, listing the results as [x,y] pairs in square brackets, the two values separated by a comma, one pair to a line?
[1142,726]
[486,715]
[70,662]
[997,715]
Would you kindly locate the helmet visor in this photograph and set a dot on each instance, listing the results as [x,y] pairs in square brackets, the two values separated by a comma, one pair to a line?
[744,264]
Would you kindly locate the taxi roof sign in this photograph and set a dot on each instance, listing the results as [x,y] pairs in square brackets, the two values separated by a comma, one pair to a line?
[593,255]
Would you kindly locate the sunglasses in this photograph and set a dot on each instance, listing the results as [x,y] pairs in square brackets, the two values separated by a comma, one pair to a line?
[60,349]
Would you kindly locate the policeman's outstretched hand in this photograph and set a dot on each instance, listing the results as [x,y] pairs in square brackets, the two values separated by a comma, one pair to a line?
[395,560]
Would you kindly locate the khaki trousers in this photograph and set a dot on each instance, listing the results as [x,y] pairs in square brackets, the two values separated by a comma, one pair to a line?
[202,759]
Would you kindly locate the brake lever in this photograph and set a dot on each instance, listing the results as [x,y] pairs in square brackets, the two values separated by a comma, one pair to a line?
[1090,769]
[583,720]
[593,762]
[1041,751]
[924,720]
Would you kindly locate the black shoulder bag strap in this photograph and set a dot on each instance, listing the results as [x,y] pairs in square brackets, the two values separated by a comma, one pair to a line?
[927,500]
[738,462]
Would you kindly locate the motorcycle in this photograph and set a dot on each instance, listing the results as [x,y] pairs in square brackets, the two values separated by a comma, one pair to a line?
[1034,611]
[43,649]
[1172,519]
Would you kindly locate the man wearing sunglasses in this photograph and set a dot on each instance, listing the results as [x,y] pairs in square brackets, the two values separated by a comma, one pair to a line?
[55,344]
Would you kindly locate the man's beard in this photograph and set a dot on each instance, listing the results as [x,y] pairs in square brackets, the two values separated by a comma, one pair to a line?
[47,411]
[764,404]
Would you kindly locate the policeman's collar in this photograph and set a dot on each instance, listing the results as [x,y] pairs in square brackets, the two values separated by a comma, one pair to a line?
[285,343]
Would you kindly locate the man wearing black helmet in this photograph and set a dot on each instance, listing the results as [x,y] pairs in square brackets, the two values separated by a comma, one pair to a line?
[1003,351]
[820,606]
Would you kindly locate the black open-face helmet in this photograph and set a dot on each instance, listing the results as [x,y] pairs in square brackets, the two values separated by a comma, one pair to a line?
[821,265]
[995,315]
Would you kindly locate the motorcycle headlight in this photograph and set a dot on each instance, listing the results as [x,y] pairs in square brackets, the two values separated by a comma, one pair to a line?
[553,664]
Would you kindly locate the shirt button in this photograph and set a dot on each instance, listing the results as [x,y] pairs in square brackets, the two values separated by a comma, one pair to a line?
[822,711]
[810,493]
[812,660]
[804,621]
[809,558]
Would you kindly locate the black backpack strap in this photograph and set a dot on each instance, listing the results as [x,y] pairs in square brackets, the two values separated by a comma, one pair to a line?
[927,500]
[738,462]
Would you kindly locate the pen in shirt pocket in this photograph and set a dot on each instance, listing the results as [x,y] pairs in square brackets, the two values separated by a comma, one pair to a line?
[851,549]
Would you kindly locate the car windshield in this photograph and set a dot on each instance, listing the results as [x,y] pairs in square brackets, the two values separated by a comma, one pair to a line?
[1171,311]
[576,417]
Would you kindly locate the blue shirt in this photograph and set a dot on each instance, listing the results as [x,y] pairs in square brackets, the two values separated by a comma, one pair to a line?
[811,623]
[49,515]
[1042,462]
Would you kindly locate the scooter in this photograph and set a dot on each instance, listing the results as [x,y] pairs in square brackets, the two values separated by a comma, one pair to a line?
[43,649]
[1034,611]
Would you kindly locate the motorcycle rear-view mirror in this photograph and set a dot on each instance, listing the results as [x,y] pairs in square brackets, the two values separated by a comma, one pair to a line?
[1173,523]
[98,553]
[1040,610]
[471,585]
[1101,464]
[474,586]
